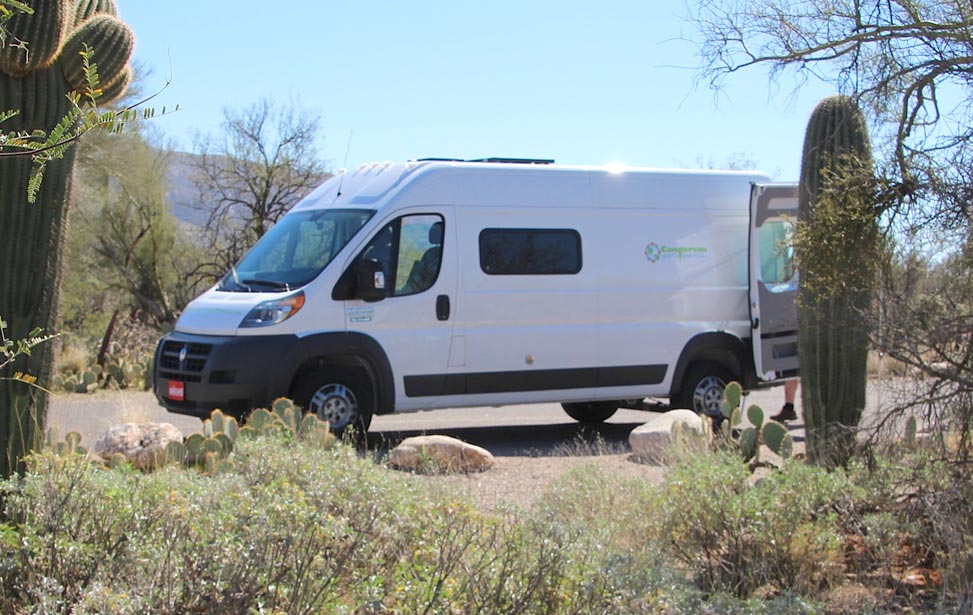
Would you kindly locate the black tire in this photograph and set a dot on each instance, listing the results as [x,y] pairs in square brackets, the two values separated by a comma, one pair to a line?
[702,389]
[591,411]
[340,395]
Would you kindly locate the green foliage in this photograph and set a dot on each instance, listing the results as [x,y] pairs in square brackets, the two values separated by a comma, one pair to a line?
[286,419]
[208,449]
[838,251]
[128,362]
[685,439]
[11,349]
[176,452]
[71,445]
[129,258]
[292,527]
[778,439]
[748,439]
[734,536]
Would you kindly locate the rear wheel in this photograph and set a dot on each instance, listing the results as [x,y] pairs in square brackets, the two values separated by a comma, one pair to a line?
[590,411]
[702,389]
[341,396]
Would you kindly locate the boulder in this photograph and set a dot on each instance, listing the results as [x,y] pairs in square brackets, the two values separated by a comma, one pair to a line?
[143,445]
[440,455]
[652,442]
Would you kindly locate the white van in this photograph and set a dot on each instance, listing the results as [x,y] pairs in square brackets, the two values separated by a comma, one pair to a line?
[441,283]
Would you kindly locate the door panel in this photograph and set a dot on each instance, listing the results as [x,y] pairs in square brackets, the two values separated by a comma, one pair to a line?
[773,280]
[418,256]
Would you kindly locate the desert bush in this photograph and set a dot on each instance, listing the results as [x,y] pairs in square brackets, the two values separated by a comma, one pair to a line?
[734,535]
[286,526]
[80,539]
[935,530]
[280,526]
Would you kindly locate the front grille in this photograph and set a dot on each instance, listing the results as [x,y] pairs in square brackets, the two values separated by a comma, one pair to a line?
[192,361]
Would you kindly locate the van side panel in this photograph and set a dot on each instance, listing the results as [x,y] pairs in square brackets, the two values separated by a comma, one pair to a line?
[525,333]
[664,260]
[668,277]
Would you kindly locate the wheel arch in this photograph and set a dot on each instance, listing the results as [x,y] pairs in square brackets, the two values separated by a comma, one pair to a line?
[354,350]
[717,347]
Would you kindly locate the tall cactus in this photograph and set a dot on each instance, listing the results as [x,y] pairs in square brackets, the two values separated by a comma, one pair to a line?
[837,248]
[36,81]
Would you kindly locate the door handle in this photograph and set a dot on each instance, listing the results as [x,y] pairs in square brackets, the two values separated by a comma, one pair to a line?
[442,307]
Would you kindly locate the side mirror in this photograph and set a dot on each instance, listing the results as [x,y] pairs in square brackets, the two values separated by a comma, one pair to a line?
[370,281]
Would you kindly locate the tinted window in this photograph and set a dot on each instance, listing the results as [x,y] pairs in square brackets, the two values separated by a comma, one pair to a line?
[530,251]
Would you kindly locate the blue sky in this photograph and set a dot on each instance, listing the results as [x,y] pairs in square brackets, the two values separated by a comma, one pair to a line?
[581,82]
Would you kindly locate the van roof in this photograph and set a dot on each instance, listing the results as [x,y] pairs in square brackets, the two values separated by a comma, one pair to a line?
[521,182]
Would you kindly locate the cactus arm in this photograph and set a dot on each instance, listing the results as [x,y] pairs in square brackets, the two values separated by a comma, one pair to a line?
[44,31]
[111,43]
[86,9]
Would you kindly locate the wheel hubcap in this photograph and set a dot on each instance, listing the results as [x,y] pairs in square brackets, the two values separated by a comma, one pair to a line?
[708,396]
[336,404]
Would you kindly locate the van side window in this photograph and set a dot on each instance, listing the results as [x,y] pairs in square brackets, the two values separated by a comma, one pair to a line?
[777,266]
[512,251]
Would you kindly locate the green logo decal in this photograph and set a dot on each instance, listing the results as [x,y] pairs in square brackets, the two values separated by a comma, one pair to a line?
[654,252]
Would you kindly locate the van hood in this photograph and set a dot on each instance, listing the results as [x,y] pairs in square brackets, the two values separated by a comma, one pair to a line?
[218,312]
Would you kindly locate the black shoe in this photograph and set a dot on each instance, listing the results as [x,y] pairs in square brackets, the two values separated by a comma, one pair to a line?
[786,414]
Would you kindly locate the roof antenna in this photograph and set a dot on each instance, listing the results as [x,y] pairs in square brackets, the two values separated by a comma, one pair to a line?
[341,179]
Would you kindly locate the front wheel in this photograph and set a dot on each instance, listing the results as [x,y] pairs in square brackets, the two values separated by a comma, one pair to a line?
[590,411]
[339,395]
[702,389]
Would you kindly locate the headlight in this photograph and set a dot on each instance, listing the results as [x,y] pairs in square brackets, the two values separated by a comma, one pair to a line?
[273,312]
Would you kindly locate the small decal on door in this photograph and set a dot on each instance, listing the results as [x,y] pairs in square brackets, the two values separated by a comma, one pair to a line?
[361,314]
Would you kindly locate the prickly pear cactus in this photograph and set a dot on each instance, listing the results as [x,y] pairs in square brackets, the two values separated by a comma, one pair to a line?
[760,432]
[837,251]
[36,81]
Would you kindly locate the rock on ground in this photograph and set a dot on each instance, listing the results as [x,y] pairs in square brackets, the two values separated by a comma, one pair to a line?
[143,445]
[440,454]
[652,442]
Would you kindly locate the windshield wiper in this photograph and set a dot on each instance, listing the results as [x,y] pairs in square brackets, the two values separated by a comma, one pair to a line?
[270,283]
[236,280]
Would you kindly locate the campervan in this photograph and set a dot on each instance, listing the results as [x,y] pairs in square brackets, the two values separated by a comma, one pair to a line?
[447,283]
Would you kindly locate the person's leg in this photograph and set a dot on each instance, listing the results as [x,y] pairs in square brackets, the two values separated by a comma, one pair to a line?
[787,412]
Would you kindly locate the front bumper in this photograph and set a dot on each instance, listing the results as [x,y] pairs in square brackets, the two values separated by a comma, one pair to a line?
[234,374]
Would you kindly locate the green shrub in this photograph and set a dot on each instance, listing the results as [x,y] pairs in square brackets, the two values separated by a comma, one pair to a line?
[736,536]
[287,526]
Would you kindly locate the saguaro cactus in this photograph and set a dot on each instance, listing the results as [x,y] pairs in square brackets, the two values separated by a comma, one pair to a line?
[36,81]
[837,250]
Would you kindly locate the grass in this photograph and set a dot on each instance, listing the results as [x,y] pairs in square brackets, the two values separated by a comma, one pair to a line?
[283,527]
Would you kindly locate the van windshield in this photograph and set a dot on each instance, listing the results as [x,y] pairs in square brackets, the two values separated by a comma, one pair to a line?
[295,250]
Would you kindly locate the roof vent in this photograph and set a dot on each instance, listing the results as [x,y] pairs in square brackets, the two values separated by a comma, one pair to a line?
[516,160]
[493,159]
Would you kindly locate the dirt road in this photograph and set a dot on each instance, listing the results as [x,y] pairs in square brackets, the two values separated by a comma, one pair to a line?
[525,430]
